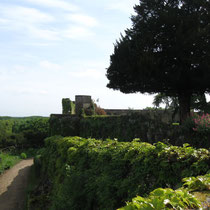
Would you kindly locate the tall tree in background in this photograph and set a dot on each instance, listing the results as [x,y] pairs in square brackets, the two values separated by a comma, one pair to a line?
[198,103]
[167,50]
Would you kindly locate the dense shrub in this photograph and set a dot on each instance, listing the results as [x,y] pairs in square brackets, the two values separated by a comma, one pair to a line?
[94,174]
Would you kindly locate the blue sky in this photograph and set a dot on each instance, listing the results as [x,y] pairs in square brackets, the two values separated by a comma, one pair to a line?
[54,49]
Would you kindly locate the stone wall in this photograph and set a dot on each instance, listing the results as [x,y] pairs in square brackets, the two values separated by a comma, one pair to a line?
[82,102]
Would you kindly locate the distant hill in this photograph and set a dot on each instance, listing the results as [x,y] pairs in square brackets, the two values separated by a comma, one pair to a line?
[20,118]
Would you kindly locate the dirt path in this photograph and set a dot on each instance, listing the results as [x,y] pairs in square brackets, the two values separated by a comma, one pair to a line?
[13,184]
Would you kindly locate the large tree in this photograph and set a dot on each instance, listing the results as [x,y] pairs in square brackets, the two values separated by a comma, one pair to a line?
[167,50]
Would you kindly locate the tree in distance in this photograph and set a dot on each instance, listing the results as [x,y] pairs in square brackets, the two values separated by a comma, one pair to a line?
[198,103]
[167,50]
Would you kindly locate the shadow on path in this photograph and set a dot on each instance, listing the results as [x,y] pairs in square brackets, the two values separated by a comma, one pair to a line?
[14,197]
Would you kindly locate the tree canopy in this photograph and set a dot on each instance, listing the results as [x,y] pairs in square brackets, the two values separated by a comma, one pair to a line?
[167,50]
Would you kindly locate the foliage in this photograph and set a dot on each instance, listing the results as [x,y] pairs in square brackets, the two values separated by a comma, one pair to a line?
[33,130]
[202,123]
[23,155]
[64,125]
[165,51]
[99,110]
[5,131]
[198,102]
[68,106]
[125,128]
[86,173]
[23,132]
[149,125]
[173,199]
[164,199]
[198,183]
[36,197]
[170,102]
[199,128]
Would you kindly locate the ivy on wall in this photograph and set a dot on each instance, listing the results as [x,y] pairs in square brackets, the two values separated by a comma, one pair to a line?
[145,126]
[68,106]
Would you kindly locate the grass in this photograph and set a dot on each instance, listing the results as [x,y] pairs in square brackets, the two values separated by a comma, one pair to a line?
[10,156]
[7,160]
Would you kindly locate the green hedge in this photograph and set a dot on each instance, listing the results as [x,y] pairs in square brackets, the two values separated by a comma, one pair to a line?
[93,174]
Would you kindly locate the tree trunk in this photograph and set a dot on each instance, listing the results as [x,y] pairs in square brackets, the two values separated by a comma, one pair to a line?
[184,104]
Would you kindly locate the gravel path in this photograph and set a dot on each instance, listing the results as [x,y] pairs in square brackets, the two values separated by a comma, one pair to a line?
[13,184]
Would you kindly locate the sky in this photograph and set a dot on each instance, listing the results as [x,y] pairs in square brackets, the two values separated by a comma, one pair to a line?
[54,49]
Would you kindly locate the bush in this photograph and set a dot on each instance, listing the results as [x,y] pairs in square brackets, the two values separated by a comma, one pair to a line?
[174,199]
[23,155]
[94,174]
[199,183]
[202,123]
[164,199]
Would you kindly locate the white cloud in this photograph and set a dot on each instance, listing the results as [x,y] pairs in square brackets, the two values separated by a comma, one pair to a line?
[35,24]
[55,4]
[49,65]
[47,34]
[13,70]
[90,73]
[30,91]
[82,19]
[123,6]
[19,69]
[77,32]
[29,21]
[3,21]
[22,15]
